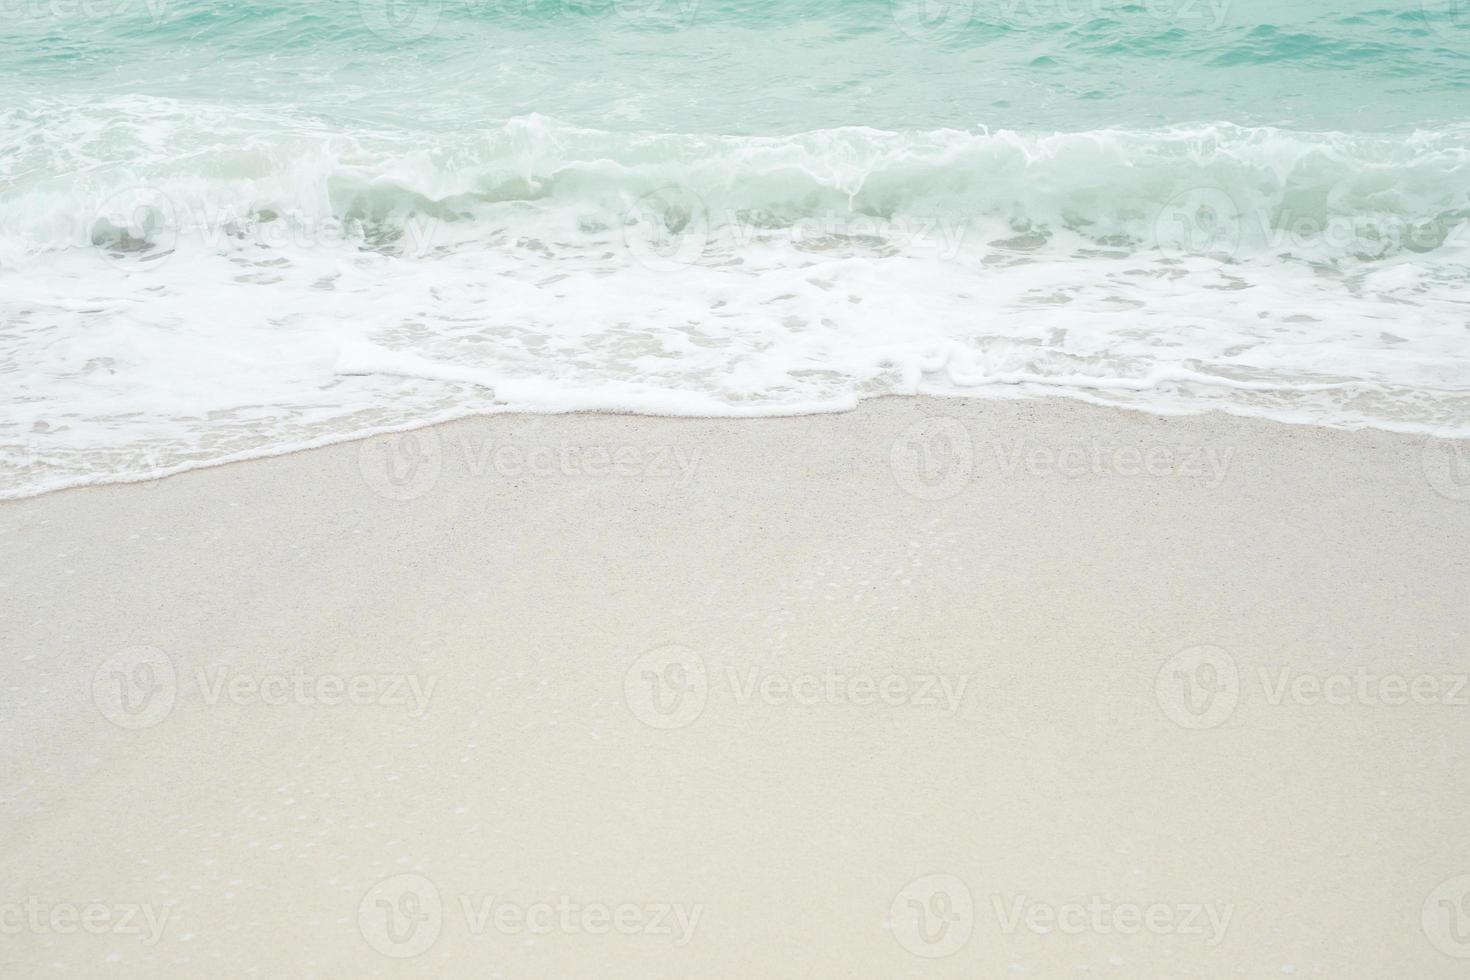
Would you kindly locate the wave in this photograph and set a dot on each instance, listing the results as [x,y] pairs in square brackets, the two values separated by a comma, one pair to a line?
[142,168]
[187,284]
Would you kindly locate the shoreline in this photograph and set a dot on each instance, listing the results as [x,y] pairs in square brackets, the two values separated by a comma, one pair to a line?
[1025,392]
[935,687]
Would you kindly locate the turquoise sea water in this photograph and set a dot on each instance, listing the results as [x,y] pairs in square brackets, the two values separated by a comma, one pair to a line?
[228,229]
[763,67]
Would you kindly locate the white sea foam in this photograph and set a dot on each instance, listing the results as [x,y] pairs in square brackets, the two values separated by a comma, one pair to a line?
[248,284]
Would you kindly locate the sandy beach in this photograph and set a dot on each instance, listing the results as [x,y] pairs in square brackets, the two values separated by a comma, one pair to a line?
[935,688]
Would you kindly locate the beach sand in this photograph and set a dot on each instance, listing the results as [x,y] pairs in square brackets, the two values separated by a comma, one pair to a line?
[935,688]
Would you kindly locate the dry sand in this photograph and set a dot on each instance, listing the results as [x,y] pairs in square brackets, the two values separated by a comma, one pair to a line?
[936,688]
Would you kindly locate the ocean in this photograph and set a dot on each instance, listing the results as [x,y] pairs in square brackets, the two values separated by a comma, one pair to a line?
[234,229]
